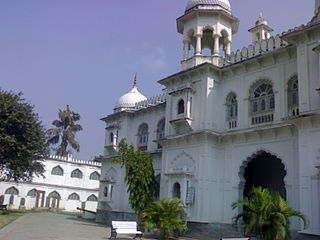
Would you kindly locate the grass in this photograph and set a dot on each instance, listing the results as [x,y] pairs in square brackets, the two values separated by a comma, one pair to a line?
[13,215]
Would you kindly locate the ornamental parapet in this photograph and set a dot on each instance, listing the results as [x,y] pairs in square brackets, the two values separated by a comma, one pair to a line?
[258,49]
[70,158]
[151,102]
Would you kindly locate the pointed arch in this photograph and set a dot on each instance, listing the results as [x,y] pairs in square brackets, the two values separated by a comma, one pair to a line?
[143,132]
[54,194]
[92,198]
[32,193]
[94,176]
[12,191]
[57,170]
[77,173]
[74,196]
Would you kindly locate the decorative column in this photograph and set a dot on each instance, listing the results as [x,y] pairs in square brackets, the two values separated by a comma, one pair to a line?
[216,38]
[228,47]
[186,47]
[198,46]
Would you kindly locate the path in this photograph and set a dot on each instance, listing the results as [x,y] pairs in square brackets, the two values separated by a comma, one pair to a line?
[52,226]
[49,226]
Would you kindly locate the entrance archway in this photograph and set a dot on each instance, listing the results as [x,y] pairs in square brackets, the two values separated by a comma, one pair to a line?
[264,170]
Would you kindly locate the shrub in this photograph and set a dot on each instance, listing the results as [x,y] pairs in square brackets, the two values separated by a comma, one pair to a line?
[166,216]
[266,215]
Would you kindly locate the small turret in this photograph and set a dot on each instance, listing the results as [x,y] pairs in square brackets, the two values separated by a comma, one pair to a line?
[207,27]
[261,31]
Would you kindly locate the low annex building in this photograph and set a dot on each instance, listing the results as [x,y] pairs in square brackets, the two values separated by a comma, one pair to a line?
[227,121]
[68,183]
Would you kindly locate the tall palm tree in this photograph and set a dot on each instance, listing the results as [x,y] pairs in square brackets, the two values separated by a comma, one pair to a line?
[266,215]
[65,130]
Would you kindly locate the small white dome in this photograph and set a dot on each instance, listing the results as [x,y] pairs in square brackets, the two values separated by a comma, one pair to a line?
[209,3]
[129,99]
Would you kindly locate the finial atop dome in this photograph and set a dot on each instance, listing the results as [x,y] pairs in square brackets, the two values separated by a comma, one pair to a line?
[128,100]
[261,20]
[261,31]
[135,81]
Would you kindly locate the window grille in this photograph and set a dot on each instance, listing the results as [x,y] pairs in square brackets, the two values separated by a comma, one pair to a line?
[262,104]
[12,191]
[94,176]
[92,198]
[143,134]
[76,174]
[74,196]
[57,170]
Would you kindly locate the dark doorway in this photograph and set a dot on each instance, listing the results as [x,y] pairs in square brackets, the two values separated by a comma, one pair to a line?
[176,191]
[267,171]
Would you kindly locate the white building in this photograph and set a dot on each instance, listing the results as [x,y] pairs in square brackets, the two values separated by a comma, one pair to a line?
[68,183]
[227,121]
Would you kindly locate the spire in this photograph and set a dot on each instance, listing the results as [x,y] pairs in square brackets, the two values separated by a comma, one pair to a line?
[134,81]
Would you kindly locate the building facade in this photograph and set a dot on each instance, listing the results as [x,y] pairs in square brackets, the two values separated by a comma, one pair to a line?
[67,184]
[227,121]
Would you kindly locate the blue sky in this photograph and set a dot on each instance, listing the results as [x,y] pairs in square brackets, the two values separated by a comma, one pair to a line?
[85,52]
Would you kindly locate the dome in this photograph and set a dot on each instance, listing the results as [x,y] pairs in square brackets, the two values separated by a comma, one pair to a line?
[209,3]
[261,21]
[129,99]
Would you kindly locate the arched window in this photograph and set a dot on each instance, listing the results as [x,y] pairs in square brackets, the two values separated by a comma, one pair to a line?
[12,191]
[232,110]
[181,106]
[160,129]
[293,96]
[74,196]
[32,193]
[262,103]
[176,192]
[22,202]
[57,170]
[54,194]
[92,198]
[95,176]
[111,137]
[76,173]
[143,134]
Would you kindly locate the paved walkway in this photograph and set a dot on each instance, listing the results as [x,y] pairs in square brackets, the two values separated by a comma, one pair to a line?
[52,226]
[49,226]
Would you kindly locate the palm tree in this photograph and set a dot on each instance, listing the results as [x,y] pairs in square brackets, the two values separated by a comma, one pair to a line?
[65,130]
[266,215]
[165,215]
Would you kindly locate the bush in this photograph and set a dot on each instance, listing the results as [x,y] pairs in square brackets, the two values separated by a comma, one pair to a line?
[166,216]
[266,215]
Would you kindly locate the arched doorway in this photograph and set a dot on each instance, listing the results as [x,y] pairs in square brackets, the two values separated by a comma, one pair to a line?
[176,191]
[264,170]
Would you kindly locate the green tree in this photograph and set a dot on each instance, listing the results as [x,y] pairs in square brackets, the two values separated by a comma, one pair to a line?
[165,215]
[139,175]
[266,214]
[65,130]
[22,138]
